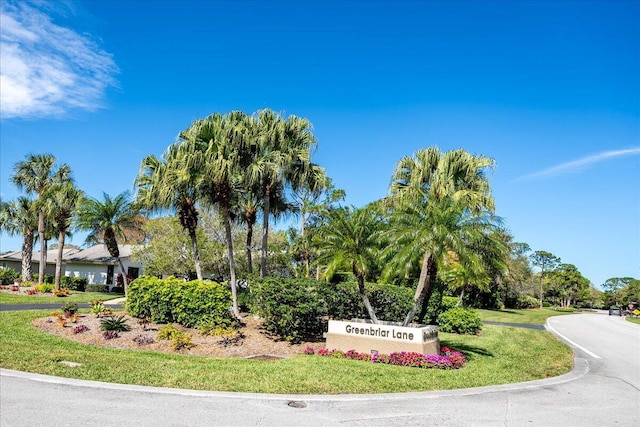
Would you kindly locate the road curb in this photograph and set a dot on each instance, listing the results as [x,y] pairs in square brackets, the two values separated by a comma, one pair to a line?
[581,367]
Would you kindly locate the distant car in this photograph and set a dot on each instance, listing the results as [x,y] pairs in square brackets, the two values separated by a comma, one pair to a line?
[615,311]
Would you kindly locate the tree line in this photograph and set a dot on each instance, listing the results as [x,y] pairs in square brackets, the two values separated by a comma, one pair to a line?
[197,208]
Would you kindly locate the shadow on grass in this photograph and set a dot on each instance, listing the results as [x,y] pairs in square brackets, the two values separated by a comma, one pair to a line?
[504,311]
[469,351]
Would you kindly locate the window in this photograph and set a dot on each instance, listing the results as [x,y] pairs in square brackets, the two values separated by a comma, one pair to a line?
[133,272]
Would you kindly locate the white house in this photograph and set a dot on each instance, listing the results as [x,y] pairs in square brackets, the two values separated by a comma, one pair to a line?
[94,263]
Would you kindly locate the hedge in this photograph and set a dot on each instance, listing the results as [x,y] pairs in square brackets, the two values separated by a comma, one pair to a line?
[298,309]
[174,300]
[97,288]
[73,283]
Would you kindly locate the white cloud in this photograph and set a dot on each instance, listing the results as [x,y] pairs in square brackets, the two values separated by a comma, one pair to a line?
[576,165]
[48,70]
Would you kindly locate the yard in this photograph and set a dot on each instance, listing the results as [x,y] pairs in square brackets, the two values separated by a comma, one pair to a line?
[498,355]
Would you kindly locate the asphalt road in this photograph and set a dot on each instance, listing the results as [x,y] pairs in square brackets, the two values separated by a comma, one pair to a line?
[603,390]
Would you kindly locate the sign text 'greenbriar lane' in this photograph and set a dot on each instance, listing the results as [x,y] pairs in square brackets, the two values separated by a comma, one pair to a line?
[379,332]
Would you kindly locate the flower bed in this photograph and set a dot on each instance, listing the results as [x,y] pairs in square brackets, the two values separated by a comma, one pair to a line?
[447,359]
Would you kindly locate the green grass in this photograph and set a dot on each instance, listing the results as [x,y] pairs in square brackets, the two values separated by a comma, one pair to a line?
[8,298]
[499,355]
[633,319]
[531,317]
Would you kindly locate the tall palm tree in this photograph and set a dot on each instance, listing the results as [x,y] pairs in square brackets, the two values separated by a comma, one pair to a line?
[171,183]
[434,175]
[220,147]
[432,191]
[349,240]
[36,175]
[282,157]
[21,217]
[109,221]
[63,200]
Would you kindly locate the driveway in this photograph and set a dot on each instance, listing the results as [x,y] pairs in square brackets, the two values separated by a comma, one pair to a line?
[603,389]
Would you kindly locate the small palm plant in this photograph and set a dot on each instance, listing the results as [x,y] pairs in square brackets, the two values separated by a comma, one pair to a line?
[115,324]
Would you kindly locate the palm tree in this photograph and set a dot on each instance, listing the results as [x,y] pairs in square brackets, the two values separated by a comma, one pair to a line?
[435,231]
[36,175]
[349,240]
[62,202]
[220,147]
[21,217]
[109,221]
[433,175]
[282,157]
[171,183]
[432,192]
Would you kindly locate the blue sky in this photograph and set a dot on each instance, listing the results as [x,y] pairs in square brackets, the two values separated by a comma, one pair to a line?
[550,90]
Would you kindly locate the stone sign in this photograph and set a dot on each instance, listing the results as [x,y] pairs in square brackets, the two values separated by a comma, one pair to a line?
[383,338]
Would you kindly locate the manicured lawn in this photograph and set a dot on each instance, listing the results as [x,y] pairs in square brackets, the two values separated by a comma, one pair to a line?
[531,317]
[635,320]
[499,355]
[9,298]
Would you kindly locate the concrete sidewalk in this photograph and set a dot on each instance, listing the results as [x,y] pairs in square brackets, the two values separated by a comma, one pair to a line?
[117,301]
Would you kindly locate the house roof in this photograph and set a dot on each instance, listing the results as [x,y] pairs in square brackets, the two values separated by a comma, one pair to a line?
[95,254]
[98,254]
[35,256]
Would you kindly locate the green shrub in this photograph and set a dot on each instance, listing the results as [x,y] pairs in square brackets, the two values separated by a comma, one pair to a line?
[48,278]
[460,321]
[174,300]
[297,309]
[527,301]
[292,309]
[7,276]
[565,309]
[449,302]
[178,338]
[167,332]
[70,308]
[96,288]
[73,283]
[45,288]
[182,340]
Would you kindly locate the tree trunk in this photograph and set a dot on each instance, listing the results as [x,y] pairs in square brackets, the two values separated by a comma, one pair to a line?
[125,279]
[306,255]
[248,247]
[307,266]
[58,275]
[27,254]
[459,303]
[232,265]
[541,286]
[266,207]
[196,254]
[365,299]
[43,250]
[423,286]
[431,280]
